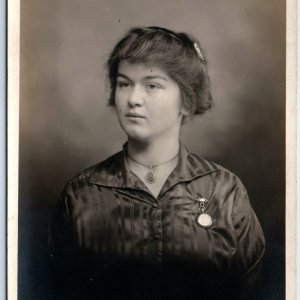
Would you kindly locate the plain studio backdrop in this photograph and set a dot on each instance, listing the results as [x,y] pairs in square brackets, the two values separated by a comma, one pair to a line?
[66,126]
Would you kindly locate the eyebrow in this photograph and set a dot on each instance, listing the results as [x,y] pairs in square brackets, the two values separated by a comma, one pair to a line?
[146,77]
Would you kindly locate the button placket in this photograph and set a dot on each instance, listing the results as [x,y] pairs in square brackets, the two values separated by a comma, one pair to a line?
[157,233]
[155,236]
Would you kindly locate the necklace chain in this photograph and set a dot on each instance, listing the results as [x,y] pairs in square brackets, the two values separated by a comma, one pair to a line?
[152,166]
[150,176]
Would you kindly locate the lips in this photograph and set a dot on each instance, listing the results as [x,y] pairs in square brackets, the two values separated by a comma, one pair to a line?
[134,115]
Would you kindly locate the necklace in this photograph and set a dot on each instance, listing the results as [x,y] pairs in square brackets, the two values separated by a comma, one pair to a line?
[150,176]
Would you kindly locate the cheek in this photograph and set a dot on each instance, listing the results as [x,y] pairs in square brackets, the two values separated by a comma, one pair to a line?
[118,104]
[118,108]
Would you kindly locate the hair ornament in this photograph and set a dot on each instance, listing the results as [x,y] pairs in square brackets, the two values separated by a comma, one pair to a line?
[198,51]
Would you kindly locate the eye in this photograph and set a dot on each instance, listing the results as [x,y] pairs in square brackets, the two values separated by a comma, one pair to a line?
[153,86]
[123,84]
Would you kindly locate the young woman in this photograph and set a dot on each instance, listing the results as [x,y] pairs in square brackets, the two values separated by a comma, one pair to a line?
[155,220]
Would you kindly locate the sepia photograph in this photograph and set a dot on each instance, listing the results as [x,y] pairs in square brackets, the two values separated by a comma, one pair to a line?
[152,150]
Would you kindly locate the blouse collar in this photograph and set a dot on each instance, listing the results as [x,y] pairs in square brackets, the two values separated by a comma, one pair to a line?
[114,172]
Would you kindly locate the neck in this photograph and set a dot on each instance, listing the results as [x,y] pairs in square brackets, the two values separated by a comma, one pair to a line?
[153,153]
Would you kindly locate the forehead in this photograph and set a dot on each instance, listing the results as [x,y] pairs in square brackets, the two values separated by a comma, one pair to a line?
[141,70]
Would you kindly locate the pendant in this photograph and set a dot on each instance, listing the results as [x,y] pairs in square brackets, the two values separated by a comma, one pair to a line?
[150,177]
[204,220]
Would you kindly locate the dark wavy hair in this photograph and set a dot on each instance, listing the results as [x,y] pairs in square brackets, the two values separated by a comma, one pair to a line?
[175,53]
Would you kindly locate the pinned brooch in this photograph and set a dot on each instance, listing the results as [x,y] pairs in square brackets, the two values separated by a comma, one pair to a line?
[203,219]
[198,51]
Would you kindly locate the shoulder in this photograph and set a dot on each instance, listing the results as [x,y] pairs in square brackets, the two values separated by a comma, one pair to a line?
[109,166]
[225,188]
[214,170]
[219,184]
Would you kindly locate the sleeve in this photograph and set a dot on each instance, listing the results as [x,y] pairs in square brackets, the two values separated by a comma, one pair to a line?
[250,244]
[63,256]
[57,242]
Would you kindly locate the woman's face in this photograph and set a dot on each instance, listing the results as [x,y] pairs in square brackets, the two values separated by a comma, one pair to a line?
[148,102]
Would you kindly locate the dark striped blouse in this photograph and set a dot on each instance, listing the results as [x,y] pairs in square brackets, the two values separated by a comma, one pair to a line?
[111,238]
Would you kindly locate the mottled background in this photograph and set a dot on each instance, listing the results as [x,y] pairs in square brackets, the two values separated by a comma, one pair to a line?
[65,125]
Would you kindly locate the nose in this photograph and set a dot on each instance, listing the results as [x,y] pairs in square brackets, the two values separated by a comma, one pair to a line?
[136,97]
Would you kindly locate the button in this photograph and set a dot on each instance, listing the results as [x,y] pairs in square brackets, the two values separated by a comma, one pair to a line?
[156,236]
[155,205]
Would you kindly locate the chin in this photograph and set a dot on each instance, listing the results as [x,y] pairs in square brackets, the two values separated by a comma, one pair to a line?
[135,134]
[133,131]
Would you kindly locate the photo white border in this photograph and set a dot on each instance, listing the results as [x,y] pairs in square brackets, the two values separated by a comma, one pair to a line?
[13,61]
[3,149]
[291,119]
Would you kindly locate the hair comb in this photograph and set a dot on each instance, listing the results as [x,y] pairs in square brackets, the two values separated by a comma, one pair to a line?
[198,51]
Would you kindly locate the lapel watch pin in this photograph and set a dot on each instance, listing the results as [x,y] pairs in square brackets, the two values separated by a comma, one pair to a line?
[203,219]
